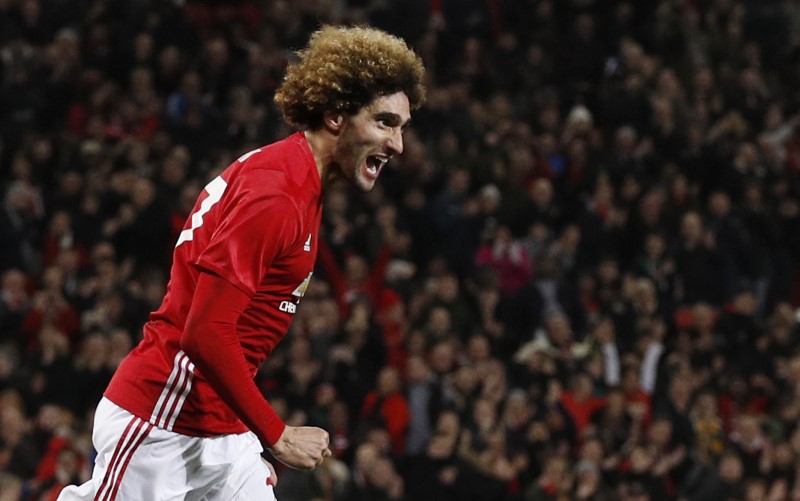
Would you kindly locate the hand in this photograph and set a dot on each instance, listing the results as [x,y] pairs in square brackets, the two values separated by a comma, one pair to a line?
[273,477]
[303,448]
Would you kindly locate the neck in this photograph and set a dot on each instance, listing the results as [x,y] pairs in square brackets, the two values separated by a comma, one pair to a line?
[322,144]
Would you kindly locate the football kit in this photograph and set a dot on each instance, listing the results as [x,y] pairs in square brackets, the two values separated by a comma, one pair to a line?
[254,226]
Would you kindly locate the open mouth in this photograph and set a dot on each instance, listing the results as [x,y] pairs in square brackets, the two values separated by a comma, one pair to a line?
[375,163]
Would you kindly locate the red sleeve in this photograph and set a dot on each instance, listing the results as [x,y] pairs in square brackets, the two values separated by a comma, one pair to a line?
[256,224]
[212,343]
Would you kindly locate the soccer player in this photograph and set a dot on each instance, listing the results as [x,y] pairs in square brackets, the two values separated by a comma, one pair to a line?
[182,418]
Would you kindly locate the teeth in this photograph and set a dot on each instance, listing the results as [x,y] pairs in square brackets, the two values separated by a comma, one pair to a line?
[376,163]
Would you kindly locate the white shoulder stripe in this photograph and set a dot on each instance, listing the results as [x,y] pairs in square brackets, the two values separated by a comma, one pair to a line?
[215,190]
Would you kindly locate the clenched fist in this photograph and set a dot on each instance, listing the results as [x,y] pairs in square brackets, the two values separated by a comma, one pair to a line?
[302,448]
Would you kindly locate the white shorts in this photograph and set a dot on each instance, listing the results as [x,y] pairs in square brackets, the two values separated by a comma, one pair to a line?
[137,461]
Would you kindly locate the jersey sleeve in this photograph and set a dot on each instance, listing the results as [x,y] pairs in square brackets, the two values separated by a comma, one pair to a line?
[257,222]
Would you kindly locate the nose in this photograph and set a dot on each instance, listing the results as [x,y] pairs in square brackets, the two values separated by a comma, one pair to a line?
[395,141]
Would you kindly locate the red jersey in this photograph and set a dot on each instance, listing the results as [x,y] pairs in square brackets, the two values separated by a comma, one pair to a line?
[256,226]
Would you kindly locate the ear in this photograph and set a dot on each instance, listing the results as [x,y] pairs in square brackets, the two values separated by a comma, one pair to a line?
[333,122]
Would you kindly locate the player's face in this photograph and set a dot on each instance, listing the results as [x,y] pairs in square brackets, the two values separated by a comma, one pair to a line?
[370,138]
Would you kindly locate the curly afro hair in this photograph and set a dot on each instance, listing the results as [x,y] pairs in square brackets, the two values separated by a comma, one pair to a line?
[343,69]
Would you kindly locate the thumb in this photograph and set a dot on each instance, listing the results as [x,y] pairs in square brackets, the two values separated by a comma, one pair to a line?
[273,477]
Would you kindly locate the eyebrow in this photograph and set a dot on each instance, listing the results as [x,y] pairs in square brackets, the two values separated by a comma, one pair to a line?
[392,118]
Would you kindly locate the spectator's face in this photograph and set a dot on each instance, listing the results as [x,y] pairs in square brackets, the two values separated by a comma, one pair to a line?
[794,440]
[190,84]
[582,387]
[13,283]
[478,348]
[641,460]
[503,234]
[517,407]
[440,446]
[730,469]
[217,54]
[103,252]
[706,406]
[95,350]
[143,193]
[380,438]
[637,495]
[459,181]
[608,271]
[594,366]
[356,269]
[720,204]
[368,139]
[448,143]
[120,343]
[442,358]
[53,279]
[630,380]
[625,140]
[336,202]
[66,465]
[756,491]
[630,189]
[169,60]
[577,152]
[13,426]
[745,303]
[748,427]
[10,488]
[448,423]
[558,330]
[484,412]
[680,390]
[650,209]
[366,455]
[447,289]
[539,232]
[616,403]
[783,455]
[300,350]
[388,381]
[173,171]
[386,216]
[691,226]
[339,415]
[555,469]
[439,321]
[325,395]
[584,26]
[416,370]
[381,472]
[466,378]
[660,433]
[542,193]
[593,451]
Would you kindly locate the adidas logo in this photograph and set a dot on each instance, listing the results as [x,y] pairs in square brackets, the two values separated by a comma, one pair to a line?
[307,245]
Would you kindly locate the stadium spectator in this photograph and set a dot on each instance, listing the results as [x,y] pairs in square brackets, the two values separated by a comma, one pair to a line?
[641,156]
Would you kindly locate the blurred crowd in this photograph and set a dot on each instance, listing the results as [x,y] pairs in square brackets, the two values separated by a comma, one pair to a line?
[581,281]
